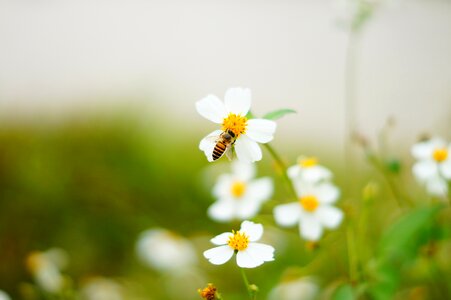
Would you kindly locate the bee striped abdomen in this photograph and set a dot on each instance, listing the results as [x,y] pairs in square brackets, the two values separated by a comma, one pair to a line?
[219,150]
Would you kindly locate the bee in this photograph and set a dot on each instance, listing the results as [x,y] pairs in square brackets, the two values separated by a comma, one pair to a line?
[224,142]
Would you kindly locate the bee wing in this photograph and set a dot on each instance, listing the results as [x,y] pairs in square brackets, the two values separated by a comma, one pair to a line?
[229,152]
[212,138]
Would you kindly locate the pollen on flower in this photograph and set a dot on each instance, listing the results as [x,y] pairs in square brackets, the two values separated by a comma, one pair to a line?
[238,188]
[235,123]
[239,241]
[308,162]
[440,154]
[309,203]
[208,293]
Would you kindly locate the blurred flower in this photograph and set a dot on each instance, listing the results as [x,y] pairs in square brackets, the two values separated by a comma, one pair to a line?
[232,116]
[209,293]
[433,167]
[304,288]
[4,296]
[165,251]
[239,195]
[46,268]
[313,211]
[308,170]
[100,288]
[248,253]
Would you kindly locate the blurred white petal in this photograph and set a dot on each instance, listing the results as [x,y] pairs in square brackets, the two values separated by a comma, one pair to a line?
[238,100]
[212,109]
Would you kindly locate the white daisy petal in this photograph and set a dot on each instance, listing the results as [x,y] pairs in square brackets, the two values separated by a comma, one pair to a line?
[445,168]
[247,150]
[327,193]
[287,214]
[247,208]
[423,150]
[219,255]
[437,186]
[222,210]
[329,216]
[293,171]
[261,130]
[207,144]
[221,239]
[310,228]
[261,251]
[211,108]
[238,101]
[243,170]
[425,169]
[261,189]
[244,259]
[252,230]
[316,173]
[222,187]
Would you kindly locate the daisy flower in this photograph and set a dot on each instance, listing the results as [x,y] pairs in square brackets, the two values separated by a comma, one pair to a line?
[239,194]
[100,288]
[313,211]
[307,169]
[433,167]
[249,254]
[231,115]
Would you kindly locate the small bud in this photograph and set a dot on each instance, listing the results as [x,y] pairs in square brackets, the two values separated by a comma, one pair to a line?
[209,293]
[370,191]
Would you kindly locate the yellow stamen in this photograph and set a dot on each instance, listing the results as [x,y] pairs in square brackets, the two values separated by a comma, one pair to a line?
[238,188]
[235,123]
[238,241]
[309,203]
[440,154]
[208,293]
[308,162]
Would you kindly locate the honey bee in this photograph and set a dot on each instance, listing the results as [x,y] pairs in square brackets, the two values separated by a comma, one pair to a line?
[224,142]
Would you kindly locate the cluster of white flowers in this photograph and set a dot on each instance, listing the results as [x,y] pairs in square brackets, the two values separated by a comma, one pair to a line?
[314,210]
[433,166]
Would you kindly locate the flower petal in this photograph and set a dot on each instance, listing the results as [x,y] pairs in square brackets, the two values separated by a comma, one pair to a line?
[252,230]
[327,193]
[223,185]
[424,150]
[424,170]
[310,228]
[244,171]
[211,108]
[329,216]
[437,186]
[255,255]
[261,130]
[316,173]
[293,171]
[260,189]
[445,168]
[238,101]
[247,208]
[287,214]
[222,210]
[207,144]
[247,150]
[219,255]
[222,238]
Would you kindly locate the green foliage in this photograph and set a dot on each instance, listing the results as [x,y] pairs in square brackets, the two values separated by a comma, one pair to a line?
[277,114]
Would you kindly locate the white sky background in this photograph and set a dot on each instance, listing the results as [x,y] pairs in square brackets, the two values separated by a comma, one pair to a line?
[60,56]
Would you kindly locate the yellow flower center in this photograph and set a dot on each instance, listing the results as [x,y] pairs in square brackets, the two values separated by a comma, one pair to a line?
[309,203]
[238,241]
[308,162]
[208,293]
[235,123]
[238,188]
[440,154]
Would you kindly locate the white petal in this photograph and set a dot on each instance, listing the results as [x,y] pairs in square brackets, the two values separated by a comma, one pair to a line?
[255,255]
[238,101]
[424,170]
[243,170]
[260,189]
[247,150]
[223,185]
[222,210]
[207,144]
[222,238]
[329,216]
[424,150]
[445,168]
[316,173]
[287,214]
[293,171]
[437,187]
[211,108]
[261,130]
[219,255]
[327,193]
[247,208]
[310,228]
[252,230]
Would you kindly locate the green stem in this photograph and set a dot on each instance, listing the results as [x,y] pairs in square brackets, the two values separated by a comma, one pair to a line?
[246,283]
[283,168]
[352,255]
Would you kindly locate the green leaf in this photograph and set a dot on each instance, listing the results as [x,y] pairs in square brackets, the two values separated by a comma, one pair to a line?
[277,114]
[344,292]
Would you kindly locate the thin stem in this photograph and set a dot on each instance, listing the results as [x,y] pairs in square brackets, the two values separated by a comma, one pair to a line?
[352,255]
[283,168]
[246,283]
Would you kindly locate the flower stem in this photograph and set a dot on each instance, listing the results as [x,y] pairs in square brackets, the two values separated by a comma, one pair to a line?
[250,291]
[283,169]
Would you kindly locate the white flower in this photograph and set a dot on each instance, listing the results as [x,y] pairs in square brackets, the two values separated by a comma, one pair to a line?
[239,195]
[433,167]
[307,169]
[232,116]
[302,288]
[100,288]
[46,268]
[4,296]
[249,254]
[313,211]
[165,251]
